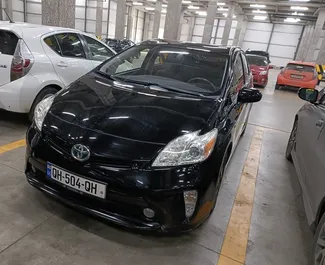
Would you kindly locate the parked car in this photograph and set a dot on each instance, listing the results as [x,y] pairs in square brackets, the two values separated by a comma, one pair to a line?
[259,66]
[297,75]
[144,148]
[119,45]
[306,148]
[260,53]
[37,61]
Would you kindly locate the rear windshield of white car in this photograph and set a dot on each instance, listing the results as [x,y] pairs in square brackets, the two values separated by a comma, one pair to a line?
[8,42]
[190,69]
[300,68]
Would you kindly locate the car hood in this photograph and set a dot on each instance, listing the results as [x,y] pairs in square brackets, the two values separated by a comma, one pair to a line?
[120,122]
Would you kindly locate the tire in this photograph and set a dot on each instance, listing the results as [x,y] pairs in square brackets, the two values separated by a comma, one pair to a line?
[219,180]
[318,250]
[277,87]
[48,91]
[292,141]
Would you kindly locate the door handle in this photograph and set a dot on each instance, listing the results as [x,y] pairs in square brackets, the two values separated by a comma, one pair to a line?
[320,123]
[62,64]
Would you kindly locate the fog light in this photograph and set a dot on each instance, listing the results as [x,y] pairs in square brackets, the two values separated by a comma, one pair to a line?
[190,198]
[149,213]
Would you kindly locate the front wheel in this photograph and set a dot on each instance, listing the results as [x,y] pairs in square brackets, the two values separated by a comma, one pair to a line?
[292,141]
[277,87]
[318,252]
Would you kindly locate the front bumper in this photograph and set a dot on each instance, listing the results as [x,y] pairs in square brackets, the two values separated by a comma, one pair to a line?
[260,80]
[129,190]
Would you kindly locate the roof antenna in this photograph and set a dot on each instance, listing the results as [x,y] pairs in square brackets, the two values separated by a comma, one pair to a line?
[10,19]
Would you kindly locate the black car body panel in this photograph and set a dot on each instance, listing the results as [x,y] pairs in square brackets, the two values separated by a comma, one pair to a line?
[125,128]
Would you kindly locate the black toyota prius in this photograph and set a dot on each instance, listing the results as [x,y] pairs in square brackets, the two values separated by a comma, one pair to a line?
[143,140]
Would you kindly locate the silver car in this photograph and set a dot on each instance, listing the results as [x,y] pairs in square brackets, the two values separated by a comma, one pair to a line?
[306,148]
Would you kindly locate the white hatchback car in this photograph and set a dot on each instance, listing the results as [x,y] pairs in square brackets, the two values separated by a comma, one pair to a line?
[37,61]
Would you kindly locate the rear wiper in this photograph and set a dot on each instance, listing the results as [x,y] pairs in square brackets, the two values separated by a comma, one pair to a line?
[158,87]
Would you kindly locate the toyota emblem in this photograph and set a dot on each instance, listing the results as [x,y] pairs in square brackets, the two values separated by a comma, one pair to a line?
[80,152]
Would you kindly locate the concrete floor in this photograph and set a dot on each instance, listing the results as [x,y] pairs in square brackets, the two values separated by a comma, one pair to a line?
[36,230]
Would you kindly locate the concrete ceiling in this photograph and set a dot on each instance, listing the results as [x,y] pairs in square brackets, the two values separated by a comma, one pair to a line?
[275,10]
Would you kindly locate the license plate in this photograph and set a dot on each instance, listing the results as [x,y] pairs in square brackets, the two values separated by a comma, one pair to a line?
[76,183]
[297,76]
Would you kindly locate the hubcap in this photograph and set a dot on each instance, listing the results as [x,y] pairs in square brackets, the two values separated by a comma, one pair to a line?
[320,247]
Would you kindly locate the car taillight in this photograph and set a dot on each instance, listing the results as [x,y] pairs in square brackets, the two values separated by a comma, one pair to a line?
[22,61]
[315,75]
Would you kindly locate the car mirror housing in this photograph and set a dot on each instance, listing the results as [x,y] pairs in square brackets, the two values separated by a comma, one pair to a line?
[249,95]
[310,95]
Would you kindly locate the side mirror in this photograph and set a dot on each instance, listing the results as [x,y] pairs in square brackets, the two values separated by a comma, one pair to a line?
[249,95]
[310,95]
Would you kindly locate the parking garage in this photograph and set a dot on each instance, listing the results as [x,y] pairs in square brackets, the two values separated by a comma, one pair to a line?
[162,132]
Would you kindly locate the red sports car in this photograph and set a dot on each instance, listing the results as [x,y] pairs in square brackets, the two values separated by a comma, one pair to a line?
[260,69]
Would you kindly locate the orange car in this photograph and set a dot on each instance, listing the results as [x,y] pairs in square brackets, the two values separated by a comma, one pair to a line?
[298,75]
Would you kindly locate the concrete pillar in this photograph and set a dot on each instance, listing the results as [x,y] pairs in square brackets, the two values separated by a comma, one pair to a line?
[181,22]
[316,35]
[120,19]
[191,28]
[321,54]
[173,17]
[99,18]
[307,43]
[226,31]
[145,35]
[240,21]
[209,21]
[303,41]
[129,27]
[242,33]
[59,13]
[156,19]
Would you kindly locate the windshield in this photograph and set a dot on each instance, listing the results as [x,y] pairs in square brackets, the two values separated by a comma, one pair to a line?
[174,68]
[300,68]
[257,60]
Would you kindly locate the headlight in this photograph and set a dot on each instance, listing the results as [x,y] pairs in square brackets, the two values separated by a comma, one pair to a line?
[187,149]
[41,110]
[263,73]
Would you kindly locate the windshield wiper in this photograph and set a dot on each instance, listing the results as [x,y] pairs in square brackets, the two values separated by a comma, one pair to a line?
[159,87]
[106,75]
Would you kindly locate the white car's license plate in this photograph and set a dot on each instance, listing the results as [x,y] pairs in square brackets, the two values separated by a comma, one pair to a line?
[74,182]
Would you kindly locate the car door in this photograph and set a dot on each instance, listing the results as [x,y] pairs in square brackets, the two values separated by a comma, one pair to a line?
[68,56]
[314,153]
[8,43]
[98,51]
[237,109]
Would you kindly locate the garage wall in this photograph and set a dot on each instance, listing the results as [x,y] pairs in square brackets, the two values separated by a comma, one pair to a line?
[216,37]
[280,40]
[34,11]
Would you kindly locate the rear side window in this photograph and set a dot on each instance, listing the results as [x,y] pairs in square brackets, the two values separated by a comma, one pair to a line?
[70,45]
[300,67]
[8,42]
[53,44]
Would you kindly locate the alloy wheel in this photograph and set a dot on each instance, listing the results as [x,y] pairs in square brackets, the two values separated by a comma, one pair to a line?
[319,257]
[292,140]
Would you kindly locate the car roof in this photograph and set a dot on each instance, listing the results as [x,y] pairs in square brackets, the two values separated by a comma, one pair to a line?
[193,45]
[302,63]
[27,29]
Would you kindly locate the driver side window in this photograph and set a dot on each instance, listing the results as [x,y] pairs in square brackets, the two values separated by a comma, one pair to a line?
[239,79]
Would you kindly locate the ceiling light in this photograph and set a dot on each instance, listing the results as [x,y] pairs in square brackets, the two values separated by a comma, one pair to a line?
[291,19]
[201,13]
[223,9]
[299,8]
[226,15]
[258,6]
[260,17]
[259,11]
[221,4]
[186,2]
[164,11]
[152,0]
[137,4]
[163,5]
[299,0]
[193,7]
[297,14]
[150,8]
